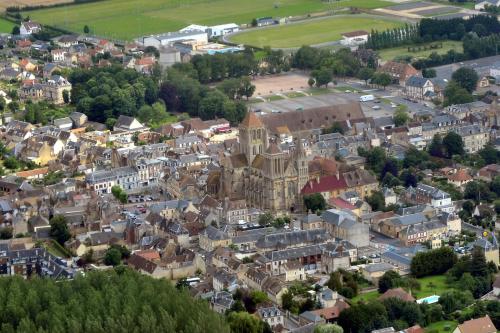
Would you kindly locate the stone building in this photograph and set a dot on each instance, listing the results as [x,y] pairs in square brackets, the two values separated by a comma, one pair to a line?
[261,172]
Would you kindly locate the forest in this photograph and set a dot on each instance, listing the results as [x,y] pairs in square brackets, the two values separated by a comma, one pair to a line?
[119,300]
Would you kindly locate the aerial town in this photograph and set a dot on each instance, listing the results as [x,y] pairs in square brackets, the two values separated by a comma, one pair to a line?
[300,166]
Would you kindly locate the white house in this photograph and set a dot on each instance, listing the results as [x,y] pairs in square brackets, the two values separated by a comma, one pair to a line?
[222,29]
[126,123]
[29,27]
[167,39]
[482,4]
[417,87]
[353,38]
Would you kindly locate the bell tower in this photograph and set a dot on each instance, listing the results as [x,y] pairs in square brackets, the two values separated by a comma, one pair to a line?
[253,137]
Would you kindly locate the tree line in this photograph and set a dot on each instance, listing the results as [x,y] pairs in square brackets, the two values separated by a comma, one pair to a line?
[112,301]
[409,34]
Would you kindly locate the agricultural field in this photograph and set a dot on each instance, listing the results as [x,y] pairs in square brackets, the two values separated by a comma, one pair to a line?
[6,26]
[126,19]
[390,54]
[311,32]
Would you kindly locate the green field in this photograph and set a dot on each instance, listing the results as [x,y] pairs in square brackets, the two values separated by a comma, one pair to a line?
[6,26]
[311,32]
[390,54]
[125,19]
[431,285]
[444,326]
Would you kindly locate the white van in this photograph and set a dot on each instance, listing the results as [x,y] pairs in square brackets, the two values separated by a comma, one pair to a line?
[366,98]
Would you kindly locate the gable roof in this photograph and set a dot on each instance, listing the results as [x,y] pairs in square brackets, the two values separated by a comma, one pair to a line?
[479,325]
[398,293]
[252,121]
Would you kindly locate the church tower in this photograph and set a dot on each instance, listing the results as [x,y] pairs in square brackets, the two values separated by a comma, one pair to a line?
[301,164]
[253,137]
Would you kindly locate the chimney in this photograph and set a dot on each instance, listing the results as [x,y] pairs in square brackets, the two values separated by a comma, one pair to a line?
[338,175]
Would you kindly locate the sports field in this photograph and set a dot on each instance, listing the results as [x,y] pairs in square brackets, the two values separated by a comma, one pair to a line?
[311,32]
[392,53]
[6,26]
[125,19]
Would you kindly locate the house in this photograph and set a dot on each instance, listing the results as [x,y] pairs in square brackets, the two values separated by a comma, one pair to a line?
[373,272]
[126,123]
[474,137]
[221,302]
[264,21]
[168,39]
[29,27]
[343,224]
[489,172]
[399,72]
[482,4]
[398,293]
[211,238]
[66,41]
[354,38]
[479,325]
[426,194]
[489,247]
[331,314]
[417,87]
[271,315]
[459,178]
[58,55]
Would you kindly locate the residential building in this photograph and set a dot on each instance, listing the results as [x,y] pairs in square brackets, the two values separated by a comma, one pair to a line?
[479,325]
[474,137]
[417,87]
[354,38]
[271,315]
[399,72]
[343,224]
[29,28]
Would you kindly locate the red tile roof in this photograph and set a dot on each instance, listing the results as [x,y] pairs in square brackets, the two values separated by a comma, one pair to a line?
[325,184]
[341,203]
[479,325]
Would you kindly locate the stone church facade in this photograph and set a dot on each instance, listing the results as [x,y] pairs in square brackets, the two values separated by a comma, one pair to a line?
[262,174]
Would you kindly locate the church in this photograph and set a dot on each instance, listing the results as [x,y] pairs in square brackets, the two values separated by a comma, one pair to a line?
[261,173]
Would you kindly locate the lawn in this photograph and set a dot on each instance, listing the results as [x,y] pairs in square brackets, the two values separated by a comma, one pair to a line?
[390,54]
[438,286]
[311,32]
[366,296]
[441,325]
[6,26]
[126,19]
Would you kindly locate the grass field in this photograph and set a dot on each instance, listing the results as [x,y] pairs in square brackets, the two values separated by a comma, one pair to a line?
[125,19]
[311,32]
[432,285]
[366,296]
[444,326]
[389,54]
[6,26]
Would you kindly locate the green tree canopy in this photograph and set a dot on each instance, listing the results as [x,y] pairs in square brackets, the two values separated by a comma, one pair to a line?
[315,202]
[466,78]
[59,229]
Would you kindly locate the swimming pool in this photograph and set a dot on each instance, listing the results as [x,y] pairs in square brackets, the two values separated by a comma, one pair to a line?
[429,299]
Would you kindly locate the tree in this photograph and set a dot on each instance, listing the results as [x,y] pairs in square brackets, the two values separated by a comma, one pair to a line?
[433,262]
[266,219]
[113,257]
[16,30]
[11,163]
[335,128]
[366,74]
[322,77]
[455,300]
[328,328]
[376,201]
[243,322]
[455,94]
[246,88]
[6,232]
[429,73]
[390,280]
[363,318]
[401,118]
[59,229]
[489,154]
[436,147]
[315,202]
[478,263]
[382,79]
[453,144]
[466,78]
[86,29]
